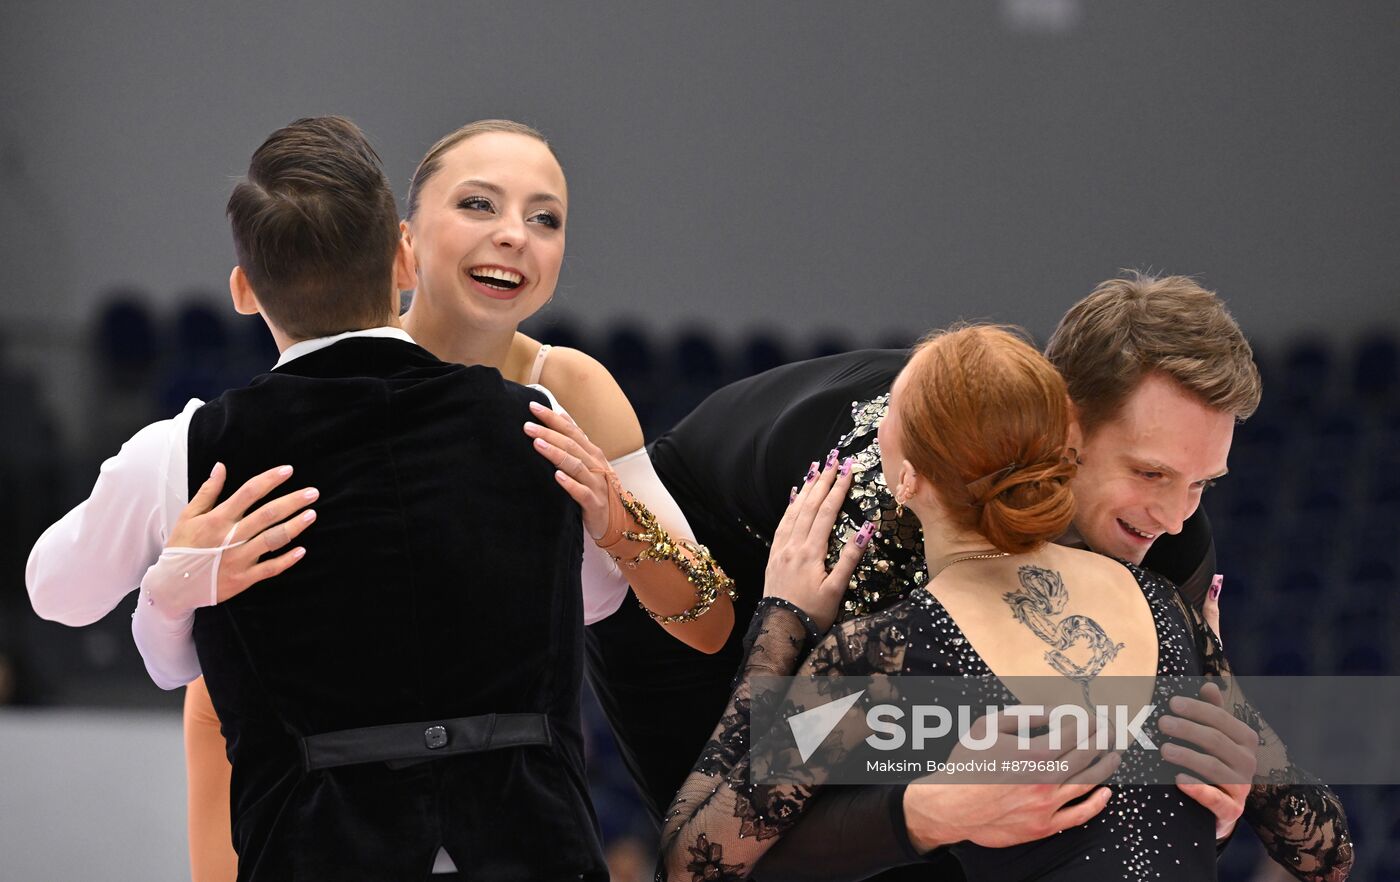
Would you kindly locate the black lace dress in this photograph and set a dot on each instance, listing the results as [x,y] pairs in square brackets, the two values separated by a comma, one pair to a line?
[720,824]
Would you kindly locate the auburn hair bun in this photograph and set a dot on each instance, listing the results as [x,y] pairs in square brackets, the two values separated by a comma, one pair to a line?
[1029,506]
[986,418]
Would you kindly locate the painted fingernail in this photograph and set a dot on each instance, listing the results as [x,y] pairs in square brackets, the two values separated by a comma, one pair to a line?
[812,473]
[846,466]
[214,469]
[541,444]
[310,493]
[531,428]
[537,407]
[298,553]
[309,515]
[284,471]
[831,458]
[792,494]
[1216,584]
[863,537]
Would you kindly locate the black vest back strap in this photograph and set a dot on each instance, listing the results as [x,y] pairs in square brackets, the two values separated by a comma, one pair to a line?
[404,744]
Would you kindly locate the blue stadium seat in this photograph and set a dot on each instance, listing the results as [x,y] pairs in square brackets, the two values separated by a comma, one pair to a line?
[627,353]
[1376,371]
[831,344]
[762,351]
[127,339]
[199,328]
[697,360]
[1306,375]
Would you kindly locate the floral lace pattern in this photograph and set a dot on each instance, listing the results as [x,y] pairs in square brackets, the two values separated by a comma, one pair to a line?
[720,824]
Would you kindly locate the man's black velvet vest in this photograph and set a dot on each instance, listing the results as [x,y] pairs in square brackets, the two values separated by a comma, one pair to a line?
[441,581]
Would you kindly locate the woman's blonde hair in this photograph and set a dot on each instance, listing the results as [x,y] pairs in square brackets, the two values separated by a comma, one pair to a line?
[432,161]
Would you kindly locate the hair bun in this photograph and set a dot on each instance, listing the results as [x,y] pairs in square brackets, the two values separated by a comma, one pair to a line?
[1025,506]
[980,401]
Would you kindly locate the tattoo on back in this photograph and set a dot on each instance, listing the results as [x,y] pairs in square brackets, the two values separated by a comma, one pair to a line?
[1043,595]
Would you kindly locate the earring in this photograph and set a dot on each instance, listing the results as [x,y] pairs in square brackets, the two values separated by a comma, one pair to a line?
[898,505]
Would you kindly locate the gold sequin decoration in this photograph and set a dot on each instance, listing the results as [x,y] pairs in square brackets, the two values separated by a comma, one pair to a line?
[693,560]
[895,560]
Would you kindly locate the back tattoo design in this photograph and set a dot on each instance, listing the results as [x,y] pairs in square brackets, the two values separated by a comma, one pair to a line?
[1042,595]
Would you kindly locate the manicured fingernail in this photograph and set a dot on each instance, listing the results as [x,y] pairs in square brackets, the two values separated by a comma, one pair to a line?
[298,553]
[541,444]
[863,537]
[1215,585]
[214,469]
[792,494]
[309,515]
[812,473]
[537,407]
[284,471]
[831,458]
[846,465]
[531,428]
[310,493]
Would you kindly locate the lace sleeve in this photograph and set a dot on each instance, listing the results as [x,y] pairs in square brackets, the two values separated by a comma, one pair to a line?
[720,824]
[1297,817]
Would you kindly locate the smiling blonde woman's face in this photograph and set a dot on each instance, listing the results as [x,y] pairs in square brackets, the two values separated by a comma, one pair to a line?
[488,233]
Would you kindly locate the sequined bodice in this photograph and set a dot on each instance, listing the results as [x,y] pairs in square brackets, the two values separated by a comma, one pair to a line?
[1148,831]
[895,561]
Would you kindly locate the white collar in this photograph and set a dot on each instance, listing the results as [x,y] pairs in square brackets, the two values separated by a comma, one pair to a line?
[306,347]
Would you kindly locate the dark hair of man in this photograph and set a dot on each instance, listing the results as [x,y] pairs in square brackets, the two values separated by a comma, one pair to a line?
[316,230]
[1130,327]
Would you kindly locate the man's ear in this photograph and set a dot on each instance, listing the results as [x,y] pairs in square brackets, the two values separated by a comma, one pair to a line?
[405,266]
[245,300]
[1075,441]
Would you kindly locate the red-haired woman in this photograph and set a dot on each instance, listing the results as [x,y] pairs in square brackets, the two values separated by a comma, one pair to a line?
[974,444]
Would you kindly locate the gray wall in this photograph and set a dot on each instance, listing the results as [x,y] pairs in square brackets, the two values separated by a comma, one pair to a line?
[807,165]
[92,795]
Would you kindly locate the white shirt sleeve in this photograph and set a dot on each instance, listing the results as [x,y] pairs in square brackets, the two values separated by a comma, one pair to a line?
[83,565]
